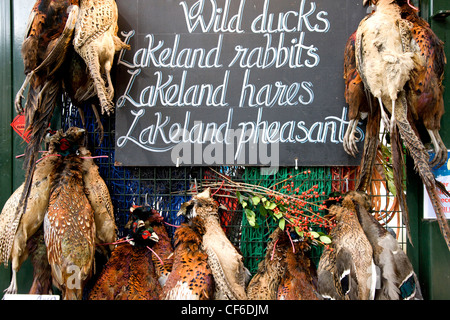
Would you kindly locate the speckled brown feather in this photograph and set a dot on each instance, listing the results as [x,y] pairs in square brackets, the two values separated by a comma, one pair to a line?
[42,272]
[226,263]
[191,277]
[96,42]
[112,283]
[354,87]
[264,284]
[425,96]
[143,283]
[163,248]
[300,279]
[69,225]
[98,195]
[17,230]
[50,33]
[350,251]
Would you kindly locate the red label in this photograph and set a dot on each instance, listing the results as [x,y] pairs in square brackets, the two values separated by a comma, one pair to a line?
[18,124]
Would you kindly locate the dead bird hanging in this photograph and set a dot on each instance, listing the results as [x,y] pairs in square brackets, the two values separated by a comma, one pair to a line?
[15,232]
[225,262]
[49,34]
[69,198]
[286,273]
[389,61]
[130,273]
[191,277]
[96,42]
[69,226]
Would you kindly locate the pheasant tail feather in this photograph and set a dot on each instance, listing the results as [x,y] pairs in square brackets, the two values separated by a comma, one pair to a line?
[398,166]
[420,157]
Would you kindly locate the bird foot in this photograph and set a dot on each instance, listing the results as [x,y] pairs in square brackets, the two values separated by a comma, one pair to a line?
[108,107]
[350,138]
[386,120]
[349,142]
[440,150]
[18,103]
[12,289]
[440,157]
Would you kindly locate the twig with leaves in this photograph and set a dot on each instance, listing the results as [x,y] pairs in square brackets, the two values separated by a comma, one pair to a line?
[288,206]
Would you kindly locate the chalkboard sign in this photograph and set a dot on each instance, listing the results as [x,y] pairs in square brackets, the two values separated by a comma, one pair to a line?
[233,82]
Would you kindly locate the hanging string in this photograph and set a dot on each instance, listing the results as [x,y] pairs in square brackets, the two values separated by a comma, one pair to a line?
[94,157]
[50,155]
[116,242]
[160,260]
[273,251]
[172,225]
[292,242]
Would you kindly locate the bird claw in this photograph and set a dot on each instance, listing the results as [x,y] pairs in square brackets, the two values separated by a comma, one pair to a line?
[12,289]
[439,159]
[350,139]
[108,107]
[18,103]
[350,145]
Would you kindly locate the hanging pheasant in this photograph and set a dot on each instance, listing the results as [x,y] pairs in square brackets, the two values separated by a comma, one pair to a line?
[388,60]
[191,277]
[14,241]
[285,273]
[96,42]
[300,279]
[230,274]
[361,104]
[99,198]
[426,89]
[42,272]
[130,272]
[49,34]
[17,230]
[346,269]
[264,284]
[163,257]
[69,226]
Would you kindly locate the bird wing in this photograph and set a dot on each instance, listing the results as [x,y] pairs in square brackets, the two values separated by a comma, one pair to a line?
[58,49]
[371,144]
[359,47]
[191,277]
[6,219]
[164,250]
[113,281]
[99,198]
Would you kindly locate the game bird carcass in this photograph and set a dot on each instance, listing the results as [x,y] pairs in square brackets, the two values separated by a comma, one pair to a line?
[49,34]
[96,42]
[130,273]
[226,263]
[388,60]
[69,226]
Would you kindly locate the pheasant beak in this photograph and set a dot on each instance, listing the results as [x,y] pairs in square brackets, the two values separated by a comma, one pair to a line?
[154,237]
